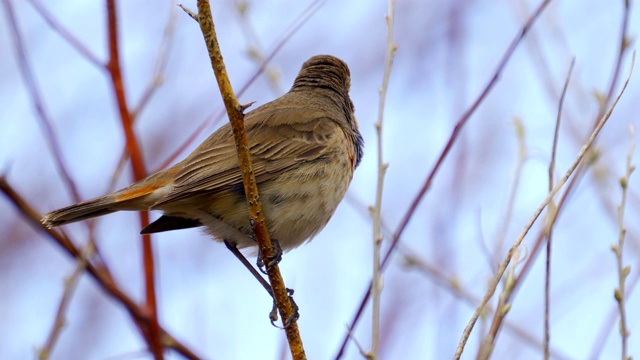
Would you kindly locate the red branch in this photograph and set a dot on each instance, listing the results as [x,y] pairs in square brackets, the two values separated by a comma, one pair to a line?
[137,164]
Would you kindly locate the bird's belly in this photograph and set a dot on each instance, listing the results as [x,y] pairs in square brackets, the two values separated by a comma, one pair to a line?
[305,200]
[297,205]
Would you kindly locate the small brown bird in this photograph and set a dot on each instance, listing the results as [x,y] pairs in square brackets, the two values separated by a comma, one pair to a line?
[304,145]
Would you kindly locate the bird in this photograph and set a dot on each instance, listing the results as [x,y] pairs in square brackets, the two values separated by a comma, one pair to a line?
[304,145]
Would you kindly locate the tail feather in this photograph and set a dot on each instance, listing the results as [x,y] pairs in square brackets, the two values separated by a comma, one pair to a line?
[137,196]
[81,211]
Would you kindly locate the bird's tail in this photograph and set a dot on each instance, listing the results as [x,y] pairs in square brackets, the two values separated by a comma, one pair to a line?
[87,209]
[138,196]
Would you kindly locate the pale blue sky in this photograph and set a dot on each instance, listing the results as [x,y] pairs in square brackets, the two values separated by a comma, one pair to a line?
[444,59]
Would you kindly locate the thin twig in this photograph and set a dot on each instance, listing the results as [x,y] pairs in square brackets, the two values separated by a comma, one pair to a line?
[552,167]
[453,286]
[605,330]
[139,171]
[623,45]
[52,140]
[38,102]
[495,281]
[95,268]
[554,146]
[182,147]
[488,343]
[302,19]
[517,175]
[255,50]
[65,34]
[579,173]
[161,64]
[452,139]
[376,210]
[156,80]
[70,284]
[236,117]
[618,249]
[450,283]
[511,282]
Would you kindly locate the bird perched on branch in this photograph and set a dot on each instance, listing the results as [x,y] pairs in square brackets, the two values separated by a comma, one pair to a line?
[304,147]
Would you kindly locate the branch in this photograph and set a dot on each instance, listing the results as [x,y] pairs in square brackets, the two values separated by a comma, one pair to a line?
[376,210]
[511,281]
[139,171]
[552,165]
[70,284]
[494,282]
[66,34]
[618,249]
[236,117]
[452,139]
[96,269]
[38,102]
[553,215]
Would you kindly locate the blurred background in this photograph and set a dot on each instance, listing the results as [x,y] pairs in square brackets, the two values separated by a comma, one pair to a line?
[479,202]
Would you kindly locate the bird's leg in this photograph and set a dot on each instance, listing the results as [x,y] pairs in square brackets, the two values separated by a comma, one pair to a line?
[234,250]
[273,314]
[268,262]
[295,315]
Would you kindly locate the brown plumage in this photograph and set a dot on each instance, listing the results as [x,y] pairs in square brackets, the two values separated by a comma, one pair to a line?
[304,145]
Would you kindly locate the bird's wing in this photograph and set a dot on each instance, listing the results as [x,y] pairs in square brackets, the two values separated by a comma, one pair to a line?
[278,144]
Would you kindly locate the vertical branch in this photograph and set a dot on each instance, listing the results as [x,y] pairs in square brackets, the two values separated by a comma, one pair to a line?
[551,218]
[376,283]
[236,117]
[137,163]
[618,249]
[623,46]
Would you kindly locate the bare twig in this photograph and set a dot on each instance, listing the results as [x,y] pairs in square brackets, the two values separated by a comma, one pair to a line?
[46,124]
[624,42]
[376,209]
[38,102]
[517,175]
[236,117]
[96,269]
[152,87]
[62,31]
[552,209]
[255,50]
[618,249]
[139,171]
[302,19]
[160,65]
[70,284]
[579,174]
[609,323]
[453,286]
[488,343]
[554,146]
[452,139]
[511,282]
[494,283]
